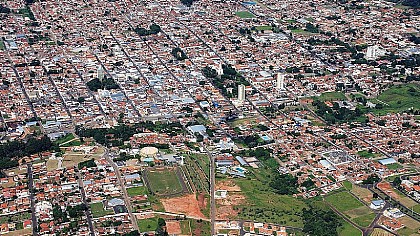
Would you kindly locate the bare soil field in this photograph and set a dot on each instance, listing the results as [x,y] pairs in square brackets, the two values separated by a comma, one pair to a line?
[187,204]
[173,227]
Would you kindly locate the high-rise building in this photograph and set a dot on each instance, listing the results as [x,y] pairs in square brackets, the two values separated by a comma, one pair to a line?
[100,73]
[241,92]
[280,81]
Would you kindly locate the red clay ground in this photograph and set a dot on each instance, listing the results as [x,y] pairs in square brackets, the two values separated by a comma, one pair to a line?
[173,227]
[187,205]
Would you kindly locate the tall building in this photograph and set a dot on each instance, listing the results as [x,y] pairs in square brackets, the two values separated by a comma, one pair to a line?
[100,73]
[280,81]
[241,92]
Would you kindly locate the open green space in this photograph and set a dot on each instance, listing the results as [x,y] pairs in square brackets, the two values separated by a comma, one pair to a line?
[332,96]
[263,205]
[343,201]
[394,166]
[348,185]
[264,27]
[147,225]
[365,154]
[364,220]
[351,207]
[185,227]
[164,181]
[98,210]
[73,143]
[398,98]
[16,218]
[65,138]
[200,227]
[136,191]
[1,45]
[348,230]
[203,161]
[244,14]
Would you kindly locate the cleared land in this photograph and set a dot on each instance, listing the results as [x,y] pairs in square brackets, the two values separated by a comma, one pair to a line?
[244,14]
[187,205]
[98,210]
[164,181]
[173,227]
[380,232]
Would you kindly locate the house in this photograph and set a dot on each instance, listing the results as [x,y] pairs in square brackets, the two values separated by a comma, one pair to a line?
[377,204]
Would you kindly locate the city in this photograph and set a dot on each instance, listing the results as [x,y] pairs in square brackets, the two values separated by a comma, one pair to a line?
[209,117]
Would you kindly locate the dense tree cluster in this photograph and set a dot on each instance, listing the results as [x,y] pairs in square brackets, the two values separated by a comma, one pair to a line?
[373,178]
[153,29]
[336,113]
[209,72]
[88,164]
[284,184]
[106,83]
[320,222]
[11,151]
[116,136]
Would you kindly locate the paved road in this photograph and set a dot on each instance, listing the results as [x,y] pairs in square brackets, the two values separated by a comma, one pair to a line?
[82,191]
[123,189]
[32,198]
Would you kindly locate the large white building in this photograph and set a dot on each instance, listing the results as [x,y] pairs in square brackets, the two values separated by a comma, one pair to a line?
[280,81]
[241,92]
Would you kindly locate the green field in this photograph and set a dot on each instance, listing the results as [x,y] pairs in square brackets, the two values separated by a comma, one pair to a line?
[348,230]
[364,220]
[263,205]
[164,181]
[147,225]
[264,27]
[135,191]
[351,207]
[348,185]
[202,226]
[365,154]
[73,143]
[1,45]
[64,139]
[244,14]
[343,201]
[332,96]
[398,98]
[394,166]
[202,160]
[98,210]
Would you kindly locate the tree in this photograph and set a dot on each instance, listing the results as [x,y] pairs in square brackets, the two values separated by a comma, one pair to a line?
[284,184]
[187,3]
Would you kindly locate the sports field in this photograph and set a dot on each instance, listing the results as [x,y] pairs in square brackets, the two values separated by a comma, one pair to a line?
[164,181]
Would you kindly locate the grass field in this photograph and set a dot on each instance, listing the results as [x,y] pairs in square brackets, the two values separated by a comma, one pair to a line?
[332,96]
[411,226]
[263,205]
[398,98]
[52,164]
[348,230]
[202,160]
[244,14]
[264,27]
[348,185]
[351,207]
[365,154]
[147,225]
[98,210]
[394,166]
[364,220]
[185,227]
[200,227]
[64,139]
[73,143]
[343,201]
[164,181]
[135,191]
